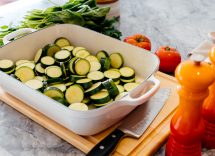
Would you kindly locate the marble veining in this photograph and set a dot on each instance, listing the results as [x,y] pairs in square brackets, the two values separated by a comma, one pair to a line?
[179,23]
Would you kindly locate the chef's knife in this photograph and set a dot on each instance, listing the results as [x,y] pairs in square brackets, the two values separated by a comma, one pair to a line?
[133,125]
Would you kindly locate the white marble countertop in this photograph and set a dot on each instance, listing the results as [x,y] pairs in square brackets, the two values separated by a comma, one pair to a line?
[179,23]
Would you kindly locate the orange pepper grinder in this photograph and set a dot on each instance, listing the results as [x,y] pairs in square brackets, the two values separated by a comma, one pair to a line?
[187,126]
[208,111]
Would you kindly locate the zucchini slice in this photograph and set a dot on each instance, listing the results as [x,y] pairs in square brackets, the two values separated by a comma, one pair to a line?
[52,81]
[78,106]
[112,74]
[40,78]
[25,73]
[127,81]
[117,82]
[62,56]
[10,72]
[38,55]
[103,104]
[105,63]
[76,49]
[60,86]
[94,89]
[127,73]
[47,61]
[39,69]
[70,66]
[62,42]
[74,93]
[82,53]
[101,54]
[111,88]
[51,49]
[85,83]
[6,65]
[34,84]
[120,88]
[69,84]
[53,92]
[96,76]
[69,48]
[81,66]
[95,66]
[86,100]
[26,64]
[100,97]
[91,58]
[74,78]
[61,100]
[118,97]
[116,60]
[129,86]
[63,68]
[21,62]
[53,72]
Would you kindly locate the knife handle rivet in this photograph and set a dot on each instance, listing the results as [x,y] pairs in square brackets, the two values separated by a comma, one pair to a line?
[113,136]
[101,147]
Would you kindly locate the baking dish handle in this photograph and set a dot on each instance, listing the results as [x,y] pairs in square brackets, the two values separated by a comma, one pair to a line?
[143,92]
[18,33]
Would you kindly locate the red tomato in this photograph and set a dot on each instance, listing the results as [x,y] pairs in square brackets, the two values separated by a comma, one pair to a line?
[139,40]
[169,58]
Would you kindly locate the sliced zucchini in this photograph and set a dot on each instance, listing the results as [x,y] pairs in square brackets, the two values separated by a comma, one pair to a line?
[60,86]
[82,53]
[69,84]
[95,66]
[53,72]
[103,104]
[91,107]
[127,73]
[85,83]
[21,62]
[6,65]
[51,49]
[101,54]
[26,64]
[105,63]
[78,106]
[39,69]
[63,68]
[52,81]
[112,74]
[53,92]
[70,66]
[76,49]
[111,88]
[74,78]
[116,60]
[62,42]
[120,88]
[34,84]
[81,66]
[86,100]
[92,58]
[40,78]
[61,100]
[96,76]
[39,54]
[25,73]
[94,89]
[62,56]
[74,93]
[69,48]
[117,82]
[118,97]
[47,61]
[10,72]
[129,86]
[127,81]
[100,97]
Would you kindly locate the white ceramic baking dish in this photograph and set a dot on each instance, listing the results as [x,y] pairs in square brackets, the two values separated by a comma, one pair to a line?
[81,122]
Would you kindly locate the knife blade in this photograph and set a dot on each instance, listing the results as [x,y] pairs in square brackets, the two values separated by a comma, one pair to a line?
[134,125]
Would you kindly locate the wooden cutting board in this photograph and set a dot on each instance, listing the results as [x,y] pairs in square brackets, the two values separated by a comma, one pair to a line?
[149,142]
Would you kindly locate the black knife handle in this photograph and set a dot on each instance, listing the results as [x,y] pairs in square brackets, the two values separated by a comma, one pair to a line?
[107,145]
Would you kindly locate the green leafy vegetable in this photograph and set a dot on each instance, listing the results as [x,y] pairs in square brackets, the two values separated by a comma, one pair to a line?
[80,12]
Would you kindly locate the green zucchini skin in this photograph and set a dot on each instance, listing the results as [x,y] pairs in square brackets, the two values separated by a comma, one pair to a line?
[98,99]
[74,78]
[53,92]
[62,42]
[105,63]
[51,49]
[64,70]
[95,88]
[61,100]
[102,54]
[8,68]
[85,83]
[111,87]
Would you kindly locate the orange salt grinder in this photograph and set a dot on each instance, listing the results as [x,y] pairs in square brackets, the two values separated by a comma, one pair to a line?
[187,125]
[208,111]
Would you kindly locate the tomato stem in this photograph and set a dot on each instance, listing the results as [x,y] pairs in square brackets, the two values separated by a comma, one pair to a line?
[167,48]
